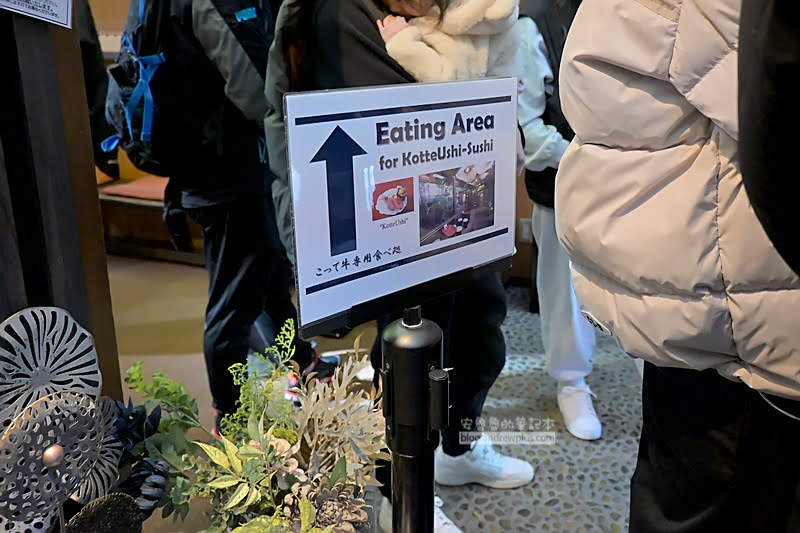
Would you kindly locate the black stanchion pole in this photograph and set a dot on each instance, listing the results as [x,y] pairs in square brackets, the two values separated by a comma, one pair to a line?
[416,403]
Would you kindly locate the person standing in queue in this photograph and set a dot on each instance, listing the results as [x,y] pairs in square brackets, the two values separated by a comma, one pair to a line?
[337,44]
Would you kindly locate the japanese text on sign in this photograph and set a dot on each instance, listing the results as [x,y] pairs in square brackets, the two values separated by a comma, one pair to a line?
[54,11]
[389,198]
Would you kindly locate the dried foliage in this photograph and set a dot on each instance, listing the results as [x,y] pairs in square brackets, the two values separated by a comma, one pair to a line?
[341,419]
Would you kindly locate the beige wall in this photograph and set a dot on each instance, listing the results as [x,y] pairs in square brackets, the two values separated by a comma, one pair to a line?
[109,15]
[521,267]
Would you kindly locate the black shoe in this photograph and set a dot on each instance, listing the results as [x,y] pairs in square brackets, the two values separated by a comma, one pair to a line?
[323,367]
[109,167]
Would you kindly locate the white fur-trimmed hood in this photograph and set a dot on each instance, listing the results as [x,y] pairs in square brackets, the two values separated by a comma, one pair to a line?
[477,17]
[477,38]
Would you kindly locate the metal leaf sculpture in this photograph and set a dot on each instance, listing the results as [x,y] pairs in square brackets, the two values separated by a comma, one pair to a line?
[40,524]
[44,350]
[106,470]
[115,513]
[45,452]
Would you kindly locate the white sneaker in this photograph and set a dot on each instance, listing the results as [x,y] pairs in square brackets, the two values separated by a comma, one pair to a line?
[482,464]
[441,523]
[385,516]
[575,403]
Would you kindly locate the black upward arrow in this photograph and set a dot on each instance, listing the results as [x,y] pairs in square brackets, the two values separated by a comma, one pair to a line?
[338,153]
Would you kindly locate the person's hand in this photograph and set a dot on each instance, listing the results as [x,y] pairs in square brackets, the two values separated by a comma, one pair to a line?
[391,26]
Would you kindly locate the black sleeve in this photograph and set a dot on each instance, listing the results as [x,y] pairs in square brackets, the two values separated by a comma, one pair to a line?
[253,24]
[769,112]
[95,79]
[274,6]
[235,36]
[349,50]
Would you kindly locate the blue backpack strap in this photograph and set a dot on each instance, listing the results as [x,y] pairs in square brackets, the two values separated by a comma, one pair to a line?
[142,6]
[262,148]
[148,66]
[126,43]
[246,14]
[110,143]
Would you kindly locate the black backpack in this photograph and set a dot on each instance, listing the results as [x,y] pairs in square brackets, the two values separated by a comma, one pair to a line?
[553,19]
[137,89]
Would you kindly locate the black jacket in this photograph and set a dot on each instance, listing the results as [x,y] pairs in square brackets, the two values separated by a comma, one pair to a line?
[217,51]
[344,49]
[553,19]
[769,112]
[95,79]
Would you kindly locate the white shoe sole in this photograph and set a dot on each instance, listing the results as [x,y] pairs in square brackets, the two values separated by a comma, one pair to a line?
[385,519]
[593,434]
[491,483]
[585,436]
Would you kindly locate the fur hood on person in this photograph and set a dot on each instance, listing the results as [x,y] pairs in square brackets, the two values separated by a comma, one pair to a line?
[475,39]
[476,17]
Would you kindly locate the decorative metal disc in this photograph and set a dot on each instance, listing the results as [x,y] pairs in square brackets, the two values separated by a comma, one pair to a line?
[40,524]
[28,488]
[116,512]
[106,470]
[42,351]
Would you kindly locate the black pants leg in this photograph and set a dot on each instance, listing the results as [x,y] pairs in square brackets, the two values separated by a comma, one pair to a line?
[477,353]
[713,456]
[242,252]
[474,347]
[279,305]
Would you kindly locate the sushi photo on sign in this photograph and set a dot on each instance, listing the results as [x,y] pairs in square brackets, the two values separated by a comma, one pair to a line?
[393,198]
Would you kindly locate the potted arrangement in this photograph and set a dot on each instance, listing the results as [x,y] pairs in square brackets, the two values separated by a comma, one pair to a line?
[275,467]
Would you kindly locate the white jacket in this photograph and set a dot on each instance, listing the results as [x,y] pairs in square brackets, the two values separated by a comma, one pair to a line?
[544,145]
[667,253]
[477,38]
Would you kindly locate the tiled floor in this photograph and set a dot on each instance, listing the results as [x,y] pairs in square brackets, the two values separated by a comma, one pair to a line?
[579,486]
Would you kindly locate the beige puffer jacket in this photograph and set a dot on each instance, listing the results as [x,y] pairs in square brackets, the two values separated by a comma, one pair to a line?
[667,253]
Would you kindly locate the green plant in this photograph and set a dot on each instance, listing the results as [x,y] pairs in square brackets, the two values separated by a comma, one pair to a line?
[240,480]
[264,524]
[261,381]
[178,413]
[328,502]
[266,448]
[276,524]
[179,408]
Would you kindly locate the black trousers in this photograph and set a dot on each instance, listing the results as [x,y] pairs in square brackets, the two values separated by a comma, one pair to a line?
[248,274]
[474,347]
[714,456]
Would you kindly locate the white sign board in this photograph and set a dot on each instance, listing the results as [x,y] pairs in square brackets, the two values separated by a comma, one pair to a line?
[397,186]
[54,11]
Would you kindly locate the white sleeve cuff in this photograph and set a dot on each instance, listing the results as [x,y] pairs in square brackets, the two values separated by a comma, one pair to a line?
[560,148]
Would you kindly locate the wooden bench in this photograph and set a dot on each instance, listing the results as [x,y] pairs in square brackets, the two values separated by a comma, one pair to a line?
[133,224]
